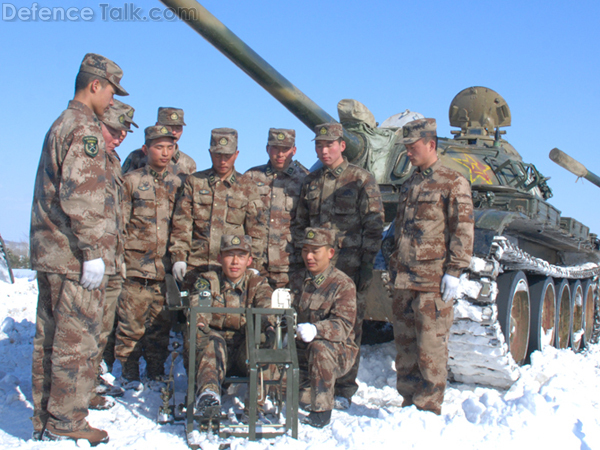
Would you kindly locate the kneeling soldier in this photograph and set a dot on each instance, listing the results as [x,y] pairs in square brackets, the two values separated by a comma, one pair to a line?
[221,337]
[325,300]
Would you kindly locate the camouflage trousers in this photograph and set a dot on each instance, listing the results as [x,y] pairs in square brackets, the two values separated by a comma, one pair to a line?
[219,353]
[321,364]
[113,291]
[347,386]
[422,324]
[65,350]
[143,325]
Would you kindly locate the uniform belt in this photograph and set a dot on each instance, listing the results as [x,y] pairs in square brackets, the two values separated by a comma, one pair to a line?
[145,281]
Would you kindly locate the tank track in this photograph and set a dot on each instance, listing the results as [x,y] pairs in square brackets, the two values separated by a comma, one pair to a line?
[478,353]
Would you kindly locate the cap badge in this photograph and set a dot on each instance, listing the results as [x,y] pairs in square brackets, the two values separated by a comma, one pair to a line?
[223,141]
[164,130]
[310,235]
[130,113]
[323,131]
[236,241]
[122,118]
[405,132]
[174,116]
[281,136]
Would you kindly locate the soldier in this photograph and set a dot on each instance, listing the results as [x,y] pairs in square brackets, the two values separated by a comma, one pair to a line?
[74,236]
[143,324]
[325,299]
[433,245]
[214,202]
[279,182]
[182,163]
[345,198]
[221,337]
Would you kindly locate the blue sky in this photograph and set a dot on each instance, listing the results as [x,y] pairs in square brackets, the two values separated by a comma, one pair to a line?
[541,57]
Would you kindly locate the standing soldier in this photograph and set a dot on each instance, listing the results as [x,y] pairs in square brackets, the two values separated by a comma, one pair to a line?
[181,163]
[325,300]
[278,183]
[434,244]
[73,249]
[221,337]
[345,198]
[214,202]
[150,196]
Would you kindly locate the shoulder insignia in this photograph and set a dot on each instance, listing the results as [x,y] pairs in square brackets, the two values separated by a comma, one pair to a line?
[144,187]
[90,145]
[204,192]
[319,280]
[202,285]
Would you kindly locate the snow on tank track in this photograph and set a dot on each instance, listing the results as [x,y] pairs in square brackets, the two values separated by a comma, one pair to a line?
[478,353]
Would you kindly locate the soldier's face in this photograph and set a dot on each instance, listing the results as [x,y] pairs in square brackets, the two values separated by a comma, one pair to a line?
[102,97]
[123,136]
[421,154]
[280,156]
[317,258]
[223,163]
[160,151]
[330,152]
[235,263]
[177,131]
[112,138]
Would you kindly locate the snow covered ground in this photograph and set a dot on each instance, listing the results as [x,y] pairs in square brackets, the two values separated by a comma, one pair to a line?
[555,404]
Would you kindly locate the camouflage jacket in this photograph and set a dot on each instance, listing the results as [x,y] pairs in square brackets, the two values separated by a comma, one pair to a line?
[149,203]
[328,301]
[434,228]
[209,208]
[73,217]
[348,200]
[279,192]
[252,291]
[115,187]
[180,162]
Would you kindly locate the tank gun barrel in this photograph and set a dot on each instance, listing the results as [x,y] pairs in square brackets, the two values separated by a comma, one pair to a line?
[224,40]
[573,166]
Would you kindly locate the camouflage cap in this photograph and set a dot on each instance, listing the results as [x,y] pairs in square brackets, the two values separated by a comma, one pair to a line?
[282,137]
[128,111]
[114,117]
[170,116]
[156,132]
[328,131]
[233,242]
[418,129]
[223,140]
[104,68]
[318,237]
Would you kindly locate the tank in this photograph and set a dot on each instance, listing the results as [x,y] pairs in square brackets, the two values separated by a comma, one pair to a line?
[533,279]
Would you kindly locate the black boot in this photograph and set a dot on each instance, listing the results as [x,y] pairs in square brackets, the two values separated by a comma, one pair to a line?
[318,419]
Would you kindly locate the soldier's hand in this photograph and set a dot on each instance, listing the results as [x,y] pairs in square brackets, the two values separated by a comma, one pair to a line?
[179,269]
[449,287]
[365,276]
[92,274]
[306,331]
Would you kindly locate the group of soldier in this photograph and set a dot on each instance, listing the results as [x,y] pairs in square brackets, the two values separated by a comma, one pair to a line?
[104,237]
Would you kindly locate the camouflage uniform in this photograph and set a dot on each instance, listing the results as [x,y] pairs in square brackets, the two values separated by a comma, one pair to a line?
[346,199]
[279,192]
[328,301]
[73,220]
[434,236]
[209,208]
[222,344]
[143,325]
[182,164]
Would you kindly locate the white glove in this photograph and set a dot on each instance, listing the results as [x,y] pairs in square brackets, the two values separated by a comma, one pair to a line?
[93,272]
[179,269]
[306,331]
[449,287]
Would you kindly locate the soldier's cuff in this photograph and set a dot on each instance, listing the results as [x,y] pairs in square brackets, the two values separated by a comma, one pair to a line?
[454,272]
[178,257]
[92,253]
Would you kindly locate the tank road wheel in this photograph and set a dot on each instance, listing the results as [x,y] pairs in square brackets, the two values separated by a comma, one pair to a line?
[543,313]
[589,308]
[513,312]
[563,314]
[577,311]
